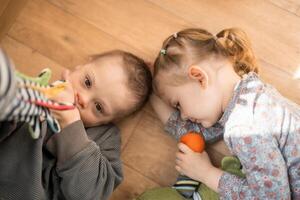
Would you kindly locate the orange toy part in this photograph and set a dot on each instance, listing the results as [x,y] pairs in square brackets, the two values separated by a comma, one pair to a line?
[194,141]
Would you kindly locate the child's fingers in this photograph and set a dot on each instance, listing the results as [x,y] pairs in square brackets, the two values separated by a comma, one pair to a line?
[183,148]
[178,169]
[178,161]
[179,156]
[65,74]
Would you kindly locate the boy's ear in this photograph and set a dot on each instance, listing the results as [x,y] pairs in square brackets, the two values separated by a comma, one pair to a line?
[196,72]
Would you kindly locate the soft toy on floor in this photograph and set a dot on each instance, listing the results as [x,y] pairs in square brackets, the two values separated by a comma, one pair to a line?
[31,103]
[229,164]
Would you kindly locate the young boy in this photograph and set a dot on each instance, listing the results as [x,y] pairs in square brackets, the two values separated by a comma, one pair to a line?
[83,160]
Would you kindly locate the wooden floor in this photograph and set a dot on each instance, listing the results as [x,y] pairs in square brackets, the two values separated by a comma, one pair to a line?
[62,33]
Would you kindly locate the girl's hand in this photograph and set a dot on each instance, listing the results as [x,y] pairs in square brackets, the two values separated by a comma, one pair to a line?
[66,117]
[192,164]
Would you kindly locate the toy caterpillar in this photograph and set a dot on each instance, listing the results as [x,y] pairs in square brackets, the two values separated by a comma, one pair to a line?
[26,99]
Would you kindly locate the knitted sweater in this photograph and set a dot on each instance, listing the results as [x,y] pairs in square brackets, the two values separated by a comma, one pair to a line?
[73,164]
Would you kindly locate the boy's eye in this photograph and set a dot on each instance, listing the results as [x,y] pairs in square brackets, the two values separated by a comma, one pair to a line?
[87,82]
[99,107]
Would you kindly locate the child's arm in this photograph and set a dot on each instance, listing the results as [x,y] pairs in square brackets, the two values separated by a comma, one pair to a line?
[88,161]
[263,164]
[178,127]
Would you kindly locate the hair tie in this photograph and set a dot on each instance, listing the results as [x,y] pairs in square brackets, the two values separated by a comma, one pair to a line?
[175,35]
[163,51]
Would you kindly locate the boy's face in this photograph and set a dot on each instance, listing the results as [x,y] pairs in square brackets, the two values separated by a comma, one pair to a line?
[100,91]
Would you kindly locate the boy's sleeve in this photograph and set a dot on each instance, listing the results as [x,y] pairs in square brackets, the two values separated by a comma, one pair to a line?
[177,127]
[88,169]
[264,167]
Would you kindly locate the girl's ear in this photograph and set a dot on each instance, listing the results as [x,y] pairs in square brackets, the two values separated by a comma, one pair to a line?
[196,72]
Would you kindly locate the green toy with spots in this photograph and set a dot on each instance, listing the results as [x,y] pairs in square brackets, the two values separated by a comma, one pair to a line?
[229,164]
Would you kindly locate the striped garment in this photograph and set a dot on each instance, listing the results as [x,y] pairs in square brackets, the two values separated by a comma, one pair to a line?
[30,103]
[187,187]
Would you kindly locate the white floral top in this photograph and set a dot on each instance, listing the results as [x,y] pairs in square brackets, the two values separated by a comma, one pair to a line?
[262,129]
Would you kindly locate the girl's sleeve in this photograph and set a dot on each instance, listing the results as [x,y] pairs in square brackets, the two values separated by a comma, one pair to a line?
[88,169]
[177,127]
[263,165]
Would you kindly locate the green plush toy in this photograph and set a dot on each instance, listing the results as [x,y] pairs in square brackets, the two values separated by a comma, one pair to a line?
[229,164]
[42,79]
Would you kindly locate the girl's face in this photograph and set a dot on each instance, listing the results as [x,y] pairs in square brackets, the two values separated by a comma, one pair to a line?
[199,99]
[100,91]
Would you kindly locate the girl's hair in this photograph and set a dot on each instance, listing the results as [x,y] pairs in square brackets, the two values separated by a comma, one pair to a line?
[191,46]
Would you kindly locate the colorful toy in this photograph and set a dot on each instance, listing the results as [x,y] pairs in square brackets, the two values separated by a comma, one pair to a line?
[194,141]
[28,97]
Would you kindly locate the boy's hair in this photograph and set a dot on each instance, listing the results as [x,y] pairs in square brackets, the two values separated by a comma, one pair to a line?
[191,46]
[139,78]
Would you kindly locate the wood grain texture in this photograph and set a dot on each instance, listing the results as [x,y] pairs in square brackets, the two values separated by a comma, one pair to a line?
[9,11]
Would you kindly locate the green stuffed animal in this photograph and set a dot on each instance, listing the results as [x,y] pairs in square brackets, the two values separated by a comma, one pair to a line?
[42,79]
[229,164]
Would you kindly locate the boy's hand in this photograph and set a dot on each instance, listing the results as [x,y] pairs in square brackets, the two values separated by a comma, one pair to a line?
[192,164]
[66,117]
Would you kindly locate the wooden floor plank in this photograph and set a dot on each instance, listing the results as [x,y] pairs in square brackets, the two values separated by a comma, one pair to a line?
[289,5]
[3,5]
[9,11]
[275,34]
[141,24]
[151,152]
[29,61]
[287,85]
[61,36]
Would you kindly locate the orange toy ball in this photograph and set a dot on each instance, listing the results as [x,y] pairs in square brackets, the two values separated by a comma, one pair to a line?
[194,141]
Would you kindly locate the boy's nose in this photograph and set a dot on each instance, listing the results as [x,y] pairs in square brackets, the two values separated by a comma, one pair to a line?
[81,101]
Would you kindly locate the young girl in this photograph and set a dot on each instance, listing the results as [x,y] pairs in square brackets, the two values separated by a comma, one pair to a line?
[82,161]
[210,84]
